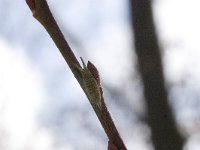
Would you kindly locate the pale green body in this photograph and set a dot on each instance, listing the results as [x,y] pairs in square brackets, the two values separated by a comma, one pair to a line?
[91,87]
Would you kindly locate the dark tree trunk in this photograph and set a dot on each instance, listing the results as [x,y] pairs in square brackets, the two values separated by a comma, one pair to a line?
[160,118]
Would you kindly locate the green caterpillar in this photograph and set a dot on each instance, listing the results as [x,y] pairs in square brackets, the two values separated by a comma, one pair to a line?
[91,85]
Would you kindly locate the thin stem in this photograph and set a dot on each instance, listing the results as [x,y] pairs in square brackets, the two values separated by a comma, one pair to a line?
[42,13]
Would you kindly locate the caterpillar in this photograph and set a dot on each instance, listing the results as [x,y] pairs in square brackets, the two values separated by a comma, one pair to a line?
[91,84]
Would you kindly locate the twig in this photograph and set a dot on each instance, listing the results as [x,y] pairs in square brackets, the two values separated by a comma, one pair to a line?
[43,14]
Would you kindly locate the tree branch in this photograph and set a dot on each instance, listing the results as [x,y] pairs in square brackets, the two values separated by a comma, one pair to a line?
[43,14]
[165,135]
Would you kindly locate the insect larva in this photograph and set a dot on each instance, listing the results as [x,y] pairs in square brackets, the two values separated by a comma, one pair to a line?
[91,84]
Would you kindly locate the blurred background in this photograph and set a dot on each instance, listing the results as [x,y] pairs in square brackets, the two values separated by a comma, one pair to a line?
[42,106]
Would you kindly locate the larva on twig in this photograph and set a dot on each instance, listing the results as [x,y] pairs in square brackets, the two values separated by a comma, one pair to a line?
[91,83]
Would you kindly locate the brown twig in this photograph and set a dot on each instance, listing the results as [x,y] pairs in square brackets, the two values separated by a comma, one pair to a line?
[43,14]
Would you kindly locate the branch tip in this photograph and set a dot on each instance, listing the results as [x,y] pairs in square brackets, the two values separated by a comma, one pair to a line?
[111,146]
[31,5]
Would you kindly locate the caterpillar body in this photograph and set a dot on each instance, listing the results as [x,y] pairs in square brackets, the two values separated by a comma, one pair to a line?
[91,85]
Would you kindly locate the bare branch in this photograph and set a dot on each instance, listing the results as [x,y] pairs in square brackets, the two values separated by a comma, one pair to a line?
[42,13]
[165,135]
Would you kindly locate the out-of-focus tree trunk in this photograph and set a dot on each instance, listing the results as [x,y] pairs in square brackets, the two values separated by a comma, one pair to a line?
[160,118]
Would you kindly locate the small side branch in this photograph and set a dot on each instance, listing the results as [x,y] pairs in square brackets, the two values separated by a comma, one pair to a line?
[42,13]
